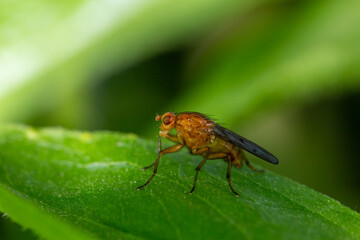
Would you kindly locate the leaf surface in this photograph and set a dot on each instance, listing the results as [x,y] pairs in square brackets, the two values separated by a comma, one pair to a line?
[88,181]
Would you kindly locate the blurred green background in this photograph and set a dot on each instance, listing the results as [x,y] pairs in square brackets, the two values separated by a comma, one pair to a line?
[284,74]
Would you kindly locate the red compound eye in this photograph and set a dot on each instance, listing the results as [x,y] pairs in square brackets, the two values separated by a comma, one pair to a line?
[167,120]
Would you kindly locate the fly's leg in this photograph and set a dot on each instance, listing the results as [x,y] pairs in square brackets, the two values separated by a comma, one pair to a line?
[144,168]
[168,136]
[228,175]
[150,166]
[207,156]
[172,138]
[172,149]
[197,169]
[253,168]
[249,165]
[217,156]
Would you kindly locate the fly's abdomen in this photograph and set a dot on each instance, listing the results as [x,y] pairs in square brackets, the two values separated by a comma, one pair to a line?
[218,145]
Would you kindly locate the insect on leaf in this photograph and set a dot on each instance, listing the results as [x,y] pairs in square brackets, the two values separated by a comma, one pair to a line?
[88,181]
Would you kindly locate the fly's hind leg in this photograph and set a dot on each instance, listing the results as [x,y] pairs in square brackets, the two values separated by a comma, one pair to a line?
[248,163]
[228,175]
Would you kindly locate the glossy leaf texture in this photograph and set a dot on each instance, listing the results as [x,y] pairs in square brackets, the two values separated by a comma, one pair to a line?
[84,183]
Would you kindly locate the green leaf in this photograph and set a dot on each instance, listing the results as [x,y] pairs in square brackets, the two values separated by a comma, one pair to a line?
[22,211]
[88,180]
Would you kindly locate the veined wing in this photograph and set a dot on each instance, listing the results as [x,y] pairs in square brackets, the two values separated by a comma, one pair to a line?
[244,143]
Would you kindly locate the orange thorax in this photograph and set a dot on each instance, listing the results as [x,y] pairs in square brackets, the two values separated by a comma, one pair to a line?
[194,129]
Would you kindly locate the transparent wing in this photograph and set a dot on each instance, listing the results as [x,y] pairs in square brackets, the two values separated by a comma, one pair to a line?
[245,144]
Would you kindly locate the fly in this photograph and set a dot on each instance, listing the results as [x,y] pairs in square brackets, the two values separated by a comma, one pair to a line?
[206,138]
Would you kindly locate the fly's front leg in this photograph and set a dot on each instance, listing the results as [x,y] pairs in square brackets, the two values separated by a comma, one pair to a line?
[164,134]
[172,149]
[144,168]
[172,138]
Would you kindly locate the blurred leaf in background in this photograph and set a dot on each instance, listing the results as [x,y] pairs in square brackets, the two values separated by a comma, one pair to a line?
[282,73]
[58,50]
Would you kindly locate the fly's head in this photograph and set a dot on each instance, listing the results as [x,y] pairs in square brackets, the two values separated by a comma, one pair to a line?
[167,121]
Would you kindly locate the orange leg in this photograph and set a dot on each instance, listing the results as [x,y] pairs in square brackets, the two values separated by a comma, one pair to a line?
[168,136]
[172,149]
[200,150]
[214,156]
[217,155]
[197,169]
[229,157]
[144,168]
[228,176]
[172,138]
[242,154]
[206,157]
